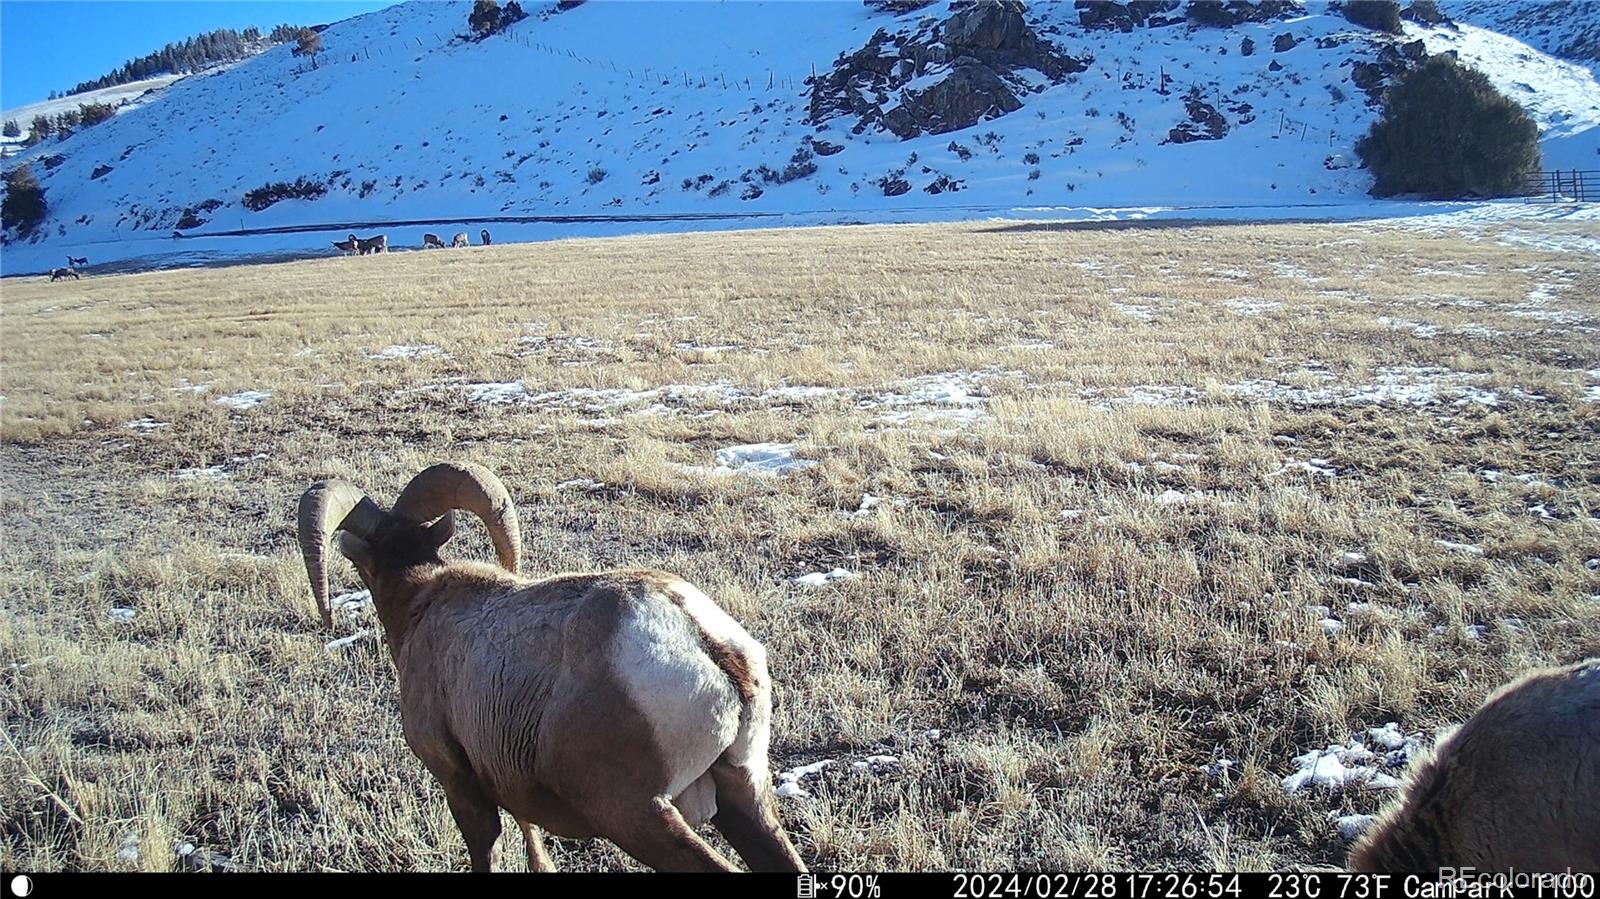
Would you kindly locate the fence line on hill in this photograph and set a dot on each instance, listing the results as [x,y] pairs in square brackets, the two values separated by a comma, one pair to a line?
[767,80]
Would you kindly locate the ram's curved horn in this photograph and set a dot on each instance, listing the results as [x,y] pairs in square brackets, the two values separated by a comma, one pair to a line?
[462,485]
[326,507]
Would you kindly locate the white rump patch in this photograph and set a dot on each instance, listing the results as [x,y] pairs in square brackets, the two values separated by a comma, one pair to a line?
[693,709]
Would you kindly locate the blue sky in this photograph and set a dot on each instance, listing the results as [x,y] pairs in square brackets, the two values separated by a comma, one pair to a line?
[48,45]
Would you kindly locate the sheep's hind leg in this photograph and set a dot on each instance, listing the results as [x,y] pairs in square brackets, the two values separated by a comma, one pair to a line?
[658,836]
[538,858]
[478,818]
[747,816]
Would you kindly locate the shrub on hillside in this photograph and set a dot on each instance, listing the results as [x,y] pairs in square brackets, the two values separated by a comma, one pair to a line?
[487,17]
[41,128]
[1379,15]
[24,206]
[12,129]
[267,194]
[1446,132]
[307,42]
[95,113]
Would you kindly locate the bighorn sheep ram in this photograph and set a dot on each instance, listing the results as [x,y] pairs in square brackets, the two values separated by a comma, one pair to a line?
[1517,786]
[379,244]
[623,704]
[432,240]
[58,274]
[460,240]
[75,261]
[485,235]
[348,245]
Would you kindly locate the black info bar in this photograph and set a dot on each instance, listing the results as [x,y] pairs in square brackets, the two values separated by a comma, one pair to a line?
[1445,884]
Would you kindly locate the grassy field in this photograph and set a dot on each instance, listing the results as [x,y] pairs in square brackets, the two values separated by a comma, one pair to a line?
[1133,518]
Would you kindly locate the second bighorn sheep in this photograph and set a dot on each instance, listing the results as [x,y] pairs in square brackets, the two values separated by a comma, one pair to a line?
[379,244]
[348,245]
[485,235]
[622,704]
[432,240]
[1517,786]
[460,240]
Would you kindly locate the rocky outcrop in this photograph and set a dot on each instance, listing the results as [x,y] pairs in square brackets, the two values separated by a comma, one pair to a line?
[1425,12]
[1205,123]
[1394,60]
[1368,76]
[971,93]
[898,7]
[1283,42]
[988,26]
[962,68]
[1216,14]
[1124,17]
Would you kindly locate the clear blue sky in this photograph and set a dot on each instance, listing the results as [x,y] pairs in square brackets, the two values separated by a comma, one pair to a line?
[48,45]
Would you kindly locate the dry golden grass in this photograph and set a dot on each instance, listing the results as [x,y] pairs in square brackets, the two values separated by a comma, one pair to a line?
[1080,670]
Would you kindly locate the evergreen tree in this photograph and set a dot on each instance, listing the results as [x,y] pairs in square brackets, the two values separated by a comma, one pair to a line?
[1379,15]
[194,53]
[24,206]
[307,43]
[485,17]
[95,113]
[12,129]
[1445,132]
[40,129]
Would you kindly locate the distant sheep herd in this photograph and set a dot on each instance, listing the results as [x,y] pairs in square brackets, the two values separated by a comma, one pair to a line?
[353,245]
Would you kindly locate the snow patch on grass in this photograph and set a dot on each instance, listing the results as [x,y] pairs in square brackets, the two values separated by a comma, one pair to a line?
[1245,306]
[347,642]
[1134,310]
[403,351]
[824,578]
[1370,761]
[243,400]
[209,473]
[351,603]
[761,458]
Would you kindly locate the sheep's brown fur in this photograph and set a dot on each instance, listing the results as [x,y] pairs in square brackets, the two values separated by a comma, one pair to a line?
[1516,786]
[432,240]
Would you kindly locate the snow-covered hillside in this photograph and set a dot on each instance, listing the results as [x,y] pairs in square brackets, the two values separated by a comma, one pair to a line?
[637,115]
[122,96]
[1563,28]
